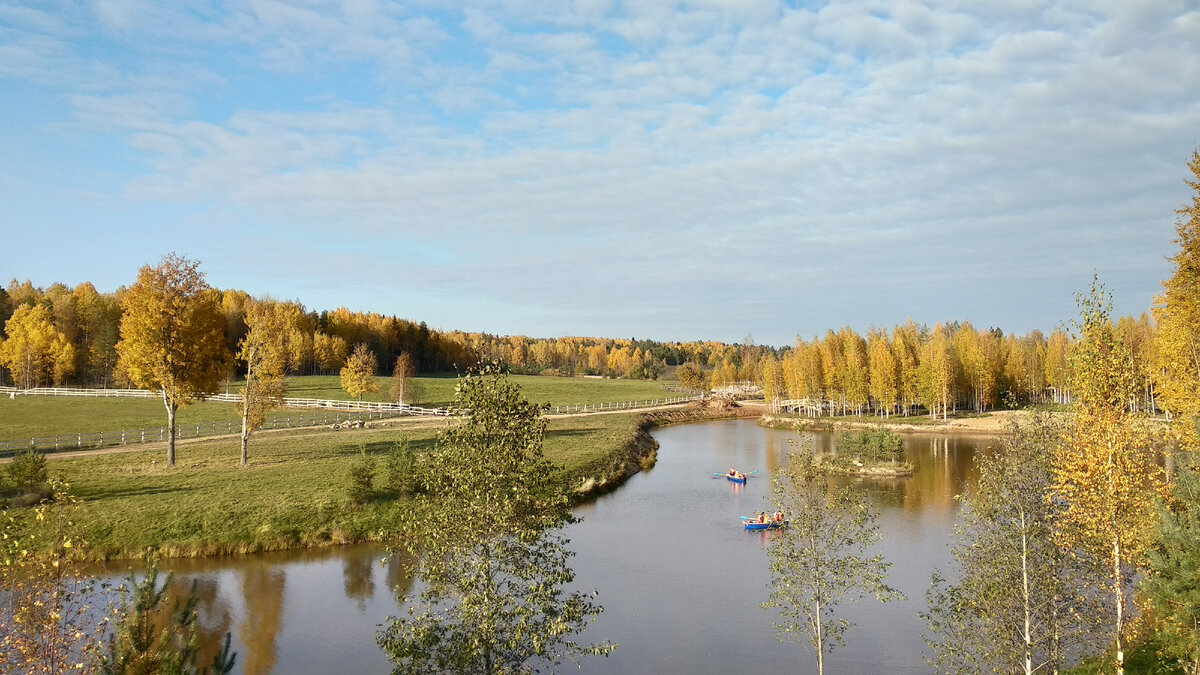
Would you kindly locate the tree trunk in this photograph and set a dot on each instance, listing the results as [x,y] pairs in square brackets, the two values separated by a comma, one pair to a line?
[1119,591]
[171,409]
[1025,597]
[246,399]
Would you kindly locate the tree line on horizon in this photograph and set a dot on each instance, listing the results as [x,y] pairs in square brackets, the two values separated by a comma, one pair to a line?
[67,336]
[952,366]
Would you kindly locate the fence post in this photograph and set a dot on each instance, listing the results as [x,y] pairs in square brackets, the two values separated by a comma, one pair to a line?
[79,441]
[122,437]
[143,435]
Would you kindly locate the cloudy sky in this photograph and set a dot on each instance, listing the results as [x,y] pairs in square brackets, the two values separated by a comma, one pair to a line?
[690,170]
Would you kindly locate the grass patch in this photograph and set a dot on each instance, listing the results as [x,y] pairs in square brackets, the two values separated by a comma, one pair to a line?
[24,417]
[438,390]
[293,494]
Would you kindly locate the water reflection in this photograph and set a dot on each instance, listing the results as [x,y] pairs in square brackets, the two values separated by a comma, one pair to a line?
[680,579]
[262,594]
[358,576]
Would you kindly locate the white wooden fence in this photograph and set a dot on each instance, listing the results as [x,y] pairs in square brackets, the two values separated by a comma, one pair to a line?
[325,404]
[101,439]
[353,409]
[623,405]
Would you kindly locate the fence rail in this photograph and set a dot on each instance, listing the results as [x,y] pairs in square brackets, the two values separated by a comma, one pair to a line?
[623,405]
[101,439]
[325,404]
[334,411]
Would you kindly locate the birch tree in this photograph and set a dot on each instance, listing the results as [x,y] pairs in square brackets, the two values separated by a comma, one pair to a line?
[495,597]
[402,379]
[358,375]
[265,351]
[35,351]
[1106,474]
[172,337]
[1177,312]
[822,558]
[1020,602]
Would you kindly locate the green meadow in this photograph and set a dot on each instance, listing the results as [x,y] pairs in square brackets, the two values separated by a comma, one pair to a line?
[294,493]
[23,417]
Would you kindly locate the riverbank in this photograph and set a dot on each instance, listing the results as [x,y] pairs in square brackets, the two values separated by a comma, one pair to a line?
[294,493]
[993,423]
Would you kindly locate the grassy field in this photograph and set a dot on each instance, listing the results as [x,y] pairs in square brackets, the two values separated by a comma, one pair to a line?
[27,416]
[439,391]
[294,493]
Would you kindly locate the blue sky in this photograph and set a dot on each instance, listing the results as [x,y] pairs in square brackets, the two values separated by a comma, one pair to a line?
[691,170]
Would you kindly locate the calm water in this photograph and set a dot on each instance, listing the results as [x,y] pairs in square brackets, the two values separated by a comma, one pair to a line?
[680,580]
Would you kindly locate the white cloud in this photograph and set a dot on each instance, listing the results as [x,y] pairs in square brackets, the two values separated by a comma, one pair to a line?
[614,154]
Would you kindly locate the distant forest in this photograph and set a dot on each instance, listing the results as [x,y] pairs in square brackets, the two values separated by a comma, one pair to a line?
[948,367]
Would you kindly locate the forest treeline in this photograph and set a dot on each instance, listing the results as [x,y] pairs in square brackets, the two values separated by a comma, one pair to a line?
[68,336]
[952,366]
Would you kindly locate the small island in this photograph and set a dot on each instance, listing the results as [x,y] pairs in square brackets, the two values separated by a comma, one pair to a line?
[873,452]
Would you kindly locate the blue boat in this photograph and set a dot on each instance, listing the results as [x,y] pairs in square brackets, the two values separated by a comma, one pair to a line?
[740,478]
[751,523]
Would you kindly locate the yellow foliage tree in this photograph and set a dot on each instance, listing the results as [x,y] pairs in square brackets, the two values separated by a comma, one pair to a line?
[265,350]
[172,336]
[1177,313]
[1106,474]
[358,375]
[35,351]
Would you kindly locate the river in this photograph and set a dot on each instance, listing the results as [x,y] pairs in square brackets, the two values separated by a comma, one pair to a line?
[680,580]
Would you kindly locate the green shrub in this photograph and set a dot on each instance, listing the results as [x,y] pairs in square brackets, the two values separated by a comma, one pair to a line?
[400,469]
[871,446]
[27,472]
[362,479]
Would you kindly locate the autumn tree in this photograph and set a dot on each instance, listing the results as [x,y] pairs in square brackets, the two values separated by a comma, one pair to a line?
[265,352]
[690,376]
[1106,473]
[1177,313]
[358,375]
[885,384]
[495,597]
[402,380]
[172,337]
[48,607]
[1019,602]
[35,350]
[937,372]
[821,558]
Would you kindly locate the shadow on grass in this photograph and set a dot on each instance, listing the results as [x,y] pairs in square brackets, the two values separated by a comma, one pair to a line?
[148,490]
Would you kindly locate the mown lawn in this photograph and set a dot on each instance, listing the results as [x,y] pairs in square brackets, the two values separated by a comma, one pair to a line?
[438,391]
[23,417]
[293,494]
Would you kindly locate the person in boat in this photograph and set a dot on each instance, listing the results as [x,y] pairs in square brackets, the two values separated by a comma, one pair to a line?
[762,516]
[733,472]
[778,516]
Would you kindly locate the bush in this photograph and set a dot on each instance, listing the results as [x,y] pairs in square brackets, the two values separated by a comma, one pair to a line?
[400,470]
[871,446]
[362,479]
[27,472]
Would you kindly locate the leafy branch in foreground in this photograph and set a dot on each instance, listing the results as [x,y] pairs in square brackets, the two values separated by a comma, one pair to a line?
[493,561]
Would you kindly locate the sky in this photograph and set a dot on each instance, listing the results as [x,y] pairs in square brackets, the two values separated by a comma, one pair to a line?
[666,170]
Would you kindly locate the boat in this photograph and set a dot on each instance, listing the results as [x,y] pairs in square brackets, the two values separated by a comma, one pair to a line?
[737,477]
[751,523]
[769,525]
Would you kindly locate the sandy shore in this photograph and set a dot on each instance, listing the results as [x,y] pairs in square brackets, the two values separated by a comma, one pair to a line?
[986,424]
